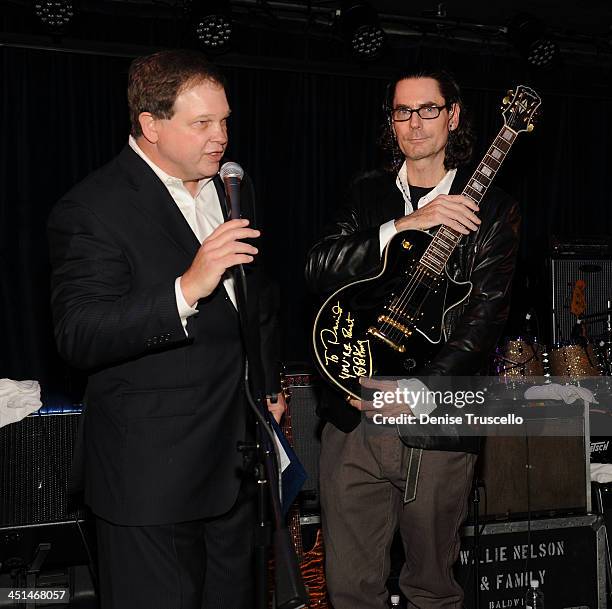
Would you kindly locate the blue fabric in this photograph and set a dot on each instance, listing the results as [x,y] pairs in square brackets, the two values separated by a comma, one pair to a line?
[294,476]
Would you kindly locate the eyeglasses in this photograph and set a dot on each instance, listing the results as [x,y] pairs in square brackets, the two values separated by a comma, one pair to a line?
[403,113]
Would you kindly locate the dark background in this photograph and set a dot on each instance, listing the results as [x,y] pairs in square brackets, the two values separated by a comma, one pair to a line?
[306,118]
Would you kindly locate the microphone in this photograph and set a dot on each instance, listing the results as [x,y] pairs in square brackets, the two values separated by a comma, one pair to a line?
[231,174]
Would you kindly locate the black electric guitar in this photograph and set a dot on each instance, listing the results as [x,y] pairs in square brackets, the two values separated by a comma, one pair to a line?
[393,323]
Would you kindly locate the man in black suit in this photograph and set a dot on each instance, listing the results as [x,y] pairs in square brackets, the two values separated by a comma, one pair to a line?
[143,298]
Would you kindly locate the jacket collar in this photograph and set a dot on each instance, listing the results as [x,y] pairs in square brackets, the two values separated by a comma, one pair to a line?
[154,201]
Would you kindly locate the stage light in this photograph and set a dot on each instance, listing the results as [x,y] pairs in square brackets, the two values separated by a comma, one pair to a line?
[213,25]
[528,35]
[54,14]
[360,27]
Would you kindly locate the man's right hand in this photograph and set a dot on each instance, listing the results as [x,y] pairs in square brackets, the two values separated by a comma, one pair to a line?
[454,211]
[221,250]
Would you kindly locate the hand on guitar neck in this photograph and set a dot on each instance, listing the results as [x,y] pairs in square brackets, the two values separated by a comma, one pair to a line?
[454,211]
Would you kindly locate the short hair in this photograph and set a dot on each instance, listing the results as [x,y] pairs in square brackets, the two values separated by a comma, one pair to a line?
[460,144]
[155,81]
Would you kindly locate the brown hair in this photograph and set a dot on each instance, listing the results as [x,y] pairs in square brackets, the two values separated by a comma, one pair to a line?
[155,81]
[460,144]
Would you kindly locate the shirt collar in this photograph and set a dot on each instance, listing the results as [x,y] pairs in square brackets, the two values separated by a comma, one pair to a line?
[166,178]
[442,188]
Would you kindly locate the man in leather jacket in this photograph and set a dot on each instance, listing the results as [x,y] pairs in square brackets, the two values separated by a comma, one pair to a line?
[363,475]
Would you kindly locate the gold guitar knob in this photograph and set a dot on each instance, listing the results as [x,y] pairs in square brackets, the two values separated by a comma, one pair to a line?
[530,127]
[506,101]
[406,244]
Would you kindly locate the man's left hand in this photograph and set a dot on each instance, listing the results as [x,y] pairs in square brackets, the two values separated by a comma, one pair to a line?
[277,409]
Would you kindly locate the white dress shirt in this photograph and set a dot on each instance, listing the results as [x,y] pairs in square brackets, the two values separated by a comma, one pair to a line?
[202,213]
[388,230]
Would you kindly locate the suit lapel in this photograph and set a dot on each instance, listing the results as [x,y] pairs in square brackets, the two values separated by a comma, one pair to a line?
[154,201]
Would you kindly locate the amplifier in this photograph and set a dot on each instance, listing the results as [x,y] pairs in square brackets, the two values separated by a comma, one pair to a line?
[35,458]
[39,524]
[302,384]
[538,475]
[566,555]
[35,508]
[597,275]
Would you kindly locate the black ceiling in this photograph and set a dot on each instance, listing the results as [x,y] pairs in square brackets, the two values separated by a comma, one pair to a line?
[581,34]
[594,18]
[566,18]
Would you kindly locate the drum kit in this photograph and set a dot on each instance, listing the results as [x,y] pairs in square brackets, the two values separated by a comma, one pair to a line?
[521,358]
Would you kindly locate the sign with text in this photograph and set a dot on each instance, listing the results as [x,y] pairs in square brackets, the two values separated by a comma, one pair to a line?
[566,555]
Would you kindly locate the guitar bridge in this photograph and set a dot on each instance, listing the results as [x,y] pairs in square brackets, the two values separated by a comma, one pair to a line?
[378,334]
[395,324]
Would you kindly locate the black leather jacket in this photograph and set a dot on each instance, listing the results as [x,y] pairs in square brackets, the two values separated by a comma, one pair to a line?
[350,249]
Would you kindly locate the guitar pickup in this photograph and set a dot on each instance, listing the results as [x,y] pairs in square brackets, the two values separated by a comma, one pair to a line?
[378,334]
[395,324]
[399,311]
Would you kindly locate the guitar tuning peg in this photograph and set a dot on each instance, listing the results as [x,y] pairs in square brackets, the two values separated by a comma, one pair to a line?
[530,127]
[505,101]
[510,92]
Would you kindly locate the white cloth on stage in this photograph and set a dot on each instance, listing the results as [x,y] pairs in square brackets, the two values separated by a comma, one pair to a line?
[18,399]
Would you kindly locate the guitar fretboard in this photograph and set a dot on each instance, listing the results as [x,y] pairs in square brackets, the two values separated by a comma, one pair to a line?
[446,239]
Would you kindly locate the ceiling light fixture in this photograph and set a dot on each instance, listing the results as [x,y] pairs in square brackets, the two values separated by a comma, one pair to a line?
[361,29]
[55,15]
[213,25]
[528,35]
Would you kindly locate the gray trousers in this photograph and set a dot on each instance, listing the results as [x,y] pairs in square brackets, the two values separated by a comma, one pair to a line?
[362,478]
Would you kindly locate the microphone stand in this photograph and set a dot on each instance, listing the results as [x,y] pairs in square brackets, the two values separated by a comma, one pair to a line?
[290,592]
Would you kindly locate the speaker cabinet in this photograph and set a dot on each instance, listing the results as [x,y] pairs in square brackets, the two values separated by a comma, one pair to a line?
[536,475]
[35,458]
[302,385]
[35,509]
[597,275]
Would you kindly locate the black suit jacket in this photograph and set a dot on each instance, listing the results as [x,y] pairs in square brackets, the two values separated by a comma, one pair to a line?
[164,411]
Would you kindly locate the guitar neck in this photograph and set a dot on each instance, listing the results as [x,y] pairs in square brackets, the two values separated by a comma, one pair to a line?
[446,239]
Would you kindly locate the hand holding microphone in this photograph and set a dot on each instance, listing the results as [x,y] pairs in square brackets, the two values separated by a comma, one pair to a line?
[223,248]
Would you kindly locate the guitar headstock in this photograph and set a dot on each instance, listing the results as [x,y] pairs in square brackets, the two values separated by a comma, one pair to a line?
[521,108]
